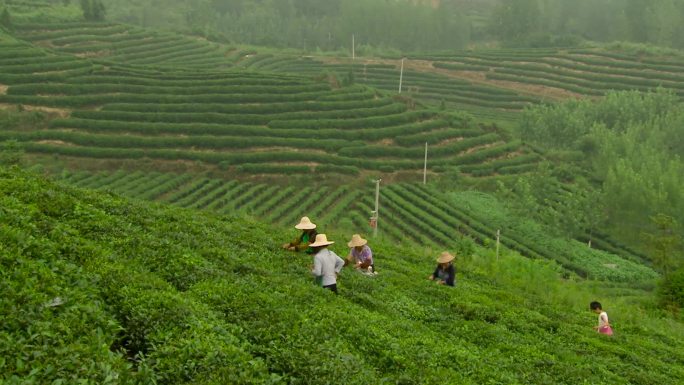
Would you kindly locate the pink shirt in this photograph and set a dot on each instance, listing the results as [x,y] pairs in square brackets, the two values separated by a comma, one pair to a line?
[363,256]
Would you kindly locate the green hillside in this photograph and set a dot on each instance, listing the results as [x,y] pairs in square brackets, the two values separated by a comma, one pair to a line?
[99,289]
[410,214]
[236,120]
[494,83]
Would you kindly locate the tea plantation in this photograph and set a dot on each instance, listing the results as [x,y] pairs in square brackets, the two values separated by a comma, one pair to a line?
[411,214]
[99,289]
[240,121]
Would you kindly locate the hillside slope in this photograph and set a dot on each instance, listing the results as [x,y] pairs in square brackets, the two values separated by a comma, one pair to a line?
[411,213]
[100,289]
[236,120]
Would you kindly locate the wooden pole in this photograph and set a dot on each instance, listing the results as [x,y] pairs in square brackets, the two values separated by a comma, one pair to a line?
[353,48]
[401,74]
[498,242]
[425,165]
[377,207]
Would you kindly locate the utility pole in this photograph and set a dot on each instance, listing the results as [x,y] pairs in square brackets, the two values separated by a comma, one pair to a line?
[425,165]
[401,74]
[377,207]
[353,48]
[498,242]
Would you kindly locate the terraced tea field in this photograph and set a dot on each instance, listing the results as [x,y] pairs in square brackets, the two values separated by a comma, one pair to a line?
[494,83]
[410,213]
[127,44]
[240,121]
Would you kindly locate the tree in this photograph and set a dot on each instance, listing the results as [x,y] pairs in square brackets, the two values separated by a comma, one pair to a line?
[93,10]
[86,7]
[665,243]
[6,20]
[98,10]
[516,20]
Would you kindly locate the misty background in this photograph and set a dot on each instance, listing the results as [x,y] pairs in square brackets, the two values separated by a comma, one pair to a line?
[410,25]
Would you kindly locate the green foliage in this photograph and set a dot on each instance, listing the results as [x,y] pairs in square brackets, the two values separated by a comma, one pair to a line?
[516,19]
[156,294]
[6,20]
[632,146]
[306,25]
[665,244]
[671,290]
[93,10]
[554,23]
[11,153]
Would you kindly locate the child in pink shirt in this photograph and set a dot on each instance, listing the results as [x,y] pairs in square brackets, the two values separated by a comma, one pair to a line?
[603,324]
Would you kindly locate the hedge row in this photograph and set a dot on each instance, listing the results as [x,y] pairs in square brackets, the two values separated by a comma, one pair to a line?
[486,153]
[94,100]
[435,137]
[588,73]
[239,118]
[45,66]
[634,70]
[175,48]
[150,73]
[31,78]
[529,79]
[418,152]
[460,67]
[368,122]
[224,159]
[133,80]
[588,81]
[492,166]
[178,56]
[89,38]
[98,89]
[195,141]
[26,56]
[264,109]
[54,34]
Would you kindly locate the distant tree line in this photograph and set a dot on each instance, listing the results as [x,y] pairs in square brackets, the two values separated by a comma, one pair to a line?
[409,25]
[565,22]
[307,24]
[93,10]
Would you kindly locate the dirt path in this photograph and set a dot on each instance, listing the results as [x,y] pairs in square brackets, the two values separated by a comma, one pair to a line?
[60,112]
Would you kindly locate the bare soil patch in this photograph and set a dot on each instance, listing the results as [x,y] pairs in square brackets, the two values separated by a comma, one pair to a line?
[55,142]
[386,142]
[279,149]
[480,147]
[3,89]
[60,112]
[450,140]
[91,54]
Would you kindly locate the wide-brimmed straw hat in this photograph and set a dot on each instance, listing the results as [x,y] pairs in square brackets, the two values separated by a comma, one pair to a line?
[305,224]
[356,241]
[321,240]
[445,257]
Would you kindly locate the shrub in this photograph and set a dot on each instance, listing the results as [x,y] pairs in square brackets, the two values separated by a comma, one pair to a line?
[671,290]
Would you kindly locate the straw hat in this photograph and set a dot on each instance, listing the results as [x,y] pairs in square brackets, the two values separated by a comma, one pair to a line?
[305,224]
[356,241]
[321,240]
[445,257]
